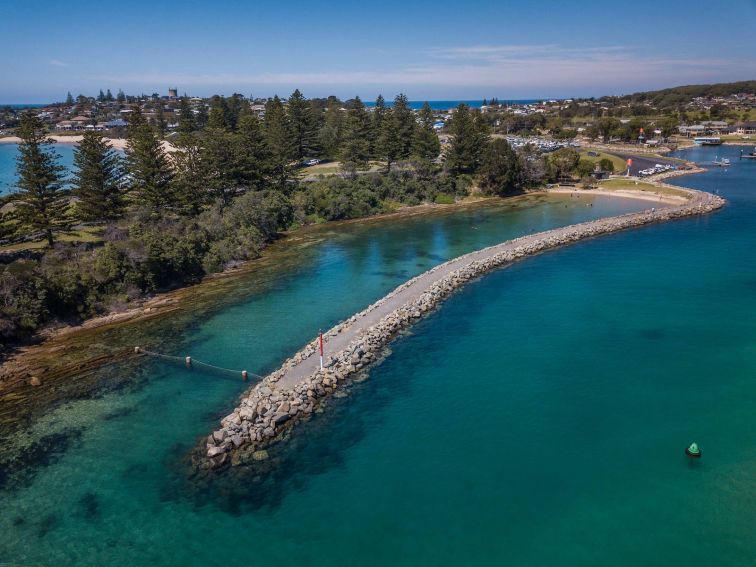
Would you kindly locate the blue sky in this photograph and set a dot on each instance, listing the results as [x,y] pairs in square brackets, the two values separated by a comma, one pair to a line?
[440,50]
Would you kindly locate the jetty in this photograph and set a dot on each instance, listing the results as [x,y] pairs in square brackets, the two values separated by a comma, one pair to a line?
[300,386]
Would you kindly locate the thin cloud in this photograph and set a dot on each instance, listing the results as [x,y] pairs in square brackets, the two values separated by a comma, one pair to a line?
[57,63]
[534,68]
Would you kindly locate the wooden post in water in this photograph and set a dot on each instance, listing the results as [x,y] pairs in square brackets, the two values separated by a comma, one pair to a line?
[244,375]
[188,361]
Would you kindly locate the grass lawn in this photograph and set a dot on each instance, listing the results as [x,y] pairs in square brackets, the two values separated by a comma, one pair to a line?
[630,185]
[619,163]
[90,234]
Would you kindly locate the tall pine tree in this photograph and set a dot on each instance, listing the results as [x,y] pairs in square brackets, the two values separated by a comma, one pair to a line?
[379,113]
[186,124]
[40,202]
[218,165]
[329,135]
[218,116]
[426,145]
[389,145]
[355,146]
[98,179]
[469,138]
[302,123]
[280,141]
[405,123]
[501,171]
[252,153]
[149,170]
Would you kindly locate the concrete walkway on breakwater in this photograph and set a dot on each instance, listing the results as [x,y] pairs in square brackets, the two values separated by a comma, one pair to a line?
[294,391]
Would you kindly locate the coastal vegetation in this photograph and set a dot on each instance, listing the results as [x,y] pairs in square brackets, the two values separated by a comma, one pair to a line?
[204,184]
[152,220]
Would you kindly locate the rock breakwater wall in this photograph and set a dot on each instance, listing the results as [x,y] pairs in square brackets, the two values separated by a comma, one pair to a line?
[268,411]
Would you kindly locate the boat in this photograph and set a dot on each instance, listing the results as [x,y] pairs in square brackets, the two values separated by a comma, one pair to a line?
[724,162]
[708,141]
[751,155]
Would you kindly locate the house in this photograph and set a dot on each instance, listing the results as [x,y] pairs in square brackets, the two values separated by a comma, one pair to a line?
[716,127]
[692,130]
[64,125]
[746,128]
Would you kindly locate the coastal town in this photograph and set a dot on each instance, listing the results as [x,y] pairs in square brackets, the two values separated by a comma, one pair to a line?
[734,114]
[398,285]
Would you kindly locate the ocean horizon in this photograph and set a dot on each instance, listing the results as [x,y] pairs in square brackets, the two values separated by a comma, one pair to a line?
[414,104]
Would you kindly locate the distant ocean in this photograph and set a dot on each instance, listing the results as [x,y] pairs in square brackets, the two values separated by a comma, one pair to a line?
[22,106]
[416,104]
[446,104]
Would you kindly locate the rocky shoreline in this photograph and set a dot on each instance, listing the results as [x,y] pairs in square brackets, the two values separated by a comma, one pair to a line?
[268,411]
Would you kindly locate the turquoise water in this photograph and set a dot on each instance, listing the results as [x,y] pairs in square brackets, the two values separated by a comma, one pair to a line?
[538,418]
[8,153]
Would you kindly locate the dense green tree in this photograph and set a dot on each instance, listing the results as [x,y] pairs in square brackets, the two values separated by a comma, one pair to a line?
[160,123]
[668,126]
[303,125]
[40,201]
[389,144]
[355,145]
[218,116]
[280,142]
[405,123]
[150,172]
[379,113]
[234,105]
[188,184]
[253,155]
[109,96]
[121,97]
[329,135]
[606,165]
[101,96]
[468,141]
[69,98]
[501,171]
[426,145]
[202,117]
[562,163]
[98,179]
[186,125]
[585,168]
[219,171]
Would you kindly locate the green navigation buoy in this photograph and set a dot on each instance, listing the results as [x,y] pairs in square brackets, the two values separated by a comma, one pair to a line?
[693,451]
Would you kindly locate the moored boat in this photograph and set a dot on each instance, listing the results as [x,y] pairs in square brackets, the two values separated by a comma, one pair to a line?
[708,141]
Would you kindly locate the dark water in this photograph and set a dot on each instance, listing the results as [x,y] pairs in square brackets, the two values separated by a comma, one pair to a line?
[538,418]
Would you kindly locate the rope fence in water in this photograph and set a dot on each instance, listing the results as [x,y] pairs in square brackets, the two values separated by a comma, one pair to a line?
[190,362]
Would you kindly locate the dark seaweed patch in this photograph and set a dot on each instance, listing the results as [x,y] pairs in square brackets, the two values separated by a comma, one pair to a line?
[651,334]
[48,524]
[19,470]
[89,505]
[121,412]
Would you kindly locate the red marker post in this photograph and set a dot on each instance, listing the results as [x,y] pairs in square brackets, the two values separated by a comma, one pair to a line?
[321,349]
[629,163]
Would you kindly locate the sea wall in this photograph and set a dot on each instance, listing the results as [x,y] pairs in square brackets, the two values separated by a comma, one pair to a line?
[268,411]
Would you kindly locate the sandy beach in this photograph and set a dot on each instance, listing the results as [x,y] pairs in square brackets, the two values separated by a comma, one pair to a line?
[116,143]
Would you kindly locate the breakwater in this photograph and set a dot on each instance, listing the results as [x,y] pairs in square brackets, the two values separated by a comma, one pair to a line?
[296,390]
